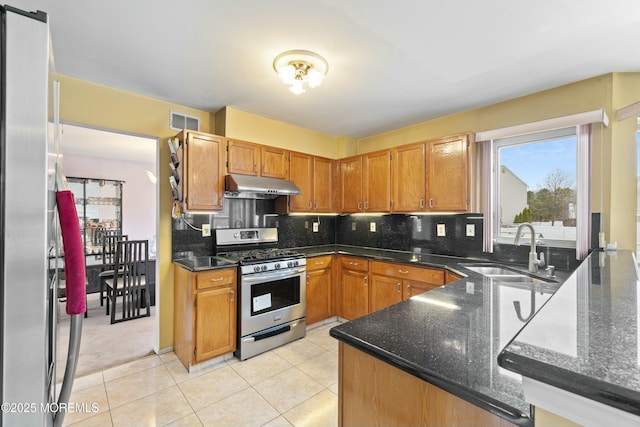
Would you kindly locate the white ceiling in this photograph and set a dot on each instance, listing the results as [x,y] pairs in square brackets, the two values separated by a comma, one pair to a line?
[391,64]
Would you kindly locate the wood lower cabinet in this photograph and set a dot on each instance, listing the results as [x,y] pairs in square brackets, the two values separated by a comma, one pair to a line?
[204,314]
[392,283]
[354,287]
[450,277]
[319,288]
[201,171]
[374,393]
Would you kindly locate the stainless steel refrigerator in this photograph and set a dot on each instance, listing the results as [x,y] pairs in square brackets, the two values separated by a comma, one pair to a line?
[29,229]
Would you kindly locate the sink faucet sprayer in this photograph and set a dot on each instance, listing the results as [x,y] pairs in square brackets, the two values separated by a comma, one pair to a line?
[534,262]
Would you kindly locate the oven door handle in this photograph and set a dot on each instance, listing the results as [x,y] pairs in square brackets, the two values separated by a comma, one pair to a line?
[270,333]
[265,277]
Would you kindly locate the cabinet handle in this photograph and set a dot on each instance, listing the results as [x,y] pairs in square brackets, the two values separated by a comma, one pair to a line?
[264,169]
[366,205]
[219,279]
[309,204]
[307,279]
[409,290]
[319,263]
[233,295]
[431,203]
[422,203]
[359,206]
[403,271]
[316,205]
[255,168]
[398,289]
[366,280]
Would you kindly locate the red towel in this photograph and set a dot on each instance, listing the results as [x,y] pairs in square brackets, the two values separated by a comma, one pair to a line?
[74,268]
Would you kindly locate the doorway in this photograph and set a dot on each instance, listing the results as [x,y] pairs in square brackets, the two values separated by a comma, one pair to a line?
[103,155]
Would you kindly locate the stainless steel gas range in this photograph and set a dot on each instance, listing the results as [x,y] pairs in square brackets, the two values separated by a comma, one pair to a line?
[272,289]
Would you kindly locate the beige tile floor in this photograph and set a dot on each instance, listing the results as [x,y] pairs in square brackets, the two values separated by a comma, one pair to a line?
[293,385]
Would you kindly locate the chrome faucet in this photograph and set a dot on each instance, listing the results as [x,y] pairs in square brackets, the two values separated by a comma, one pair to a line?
[534,262]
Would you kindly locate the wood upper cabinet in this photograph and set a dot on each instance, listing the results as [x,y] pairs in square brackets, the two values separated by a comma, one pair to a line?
[313,175]
[351,184]
[319,288]
[204,314]
[243,157]
[409,178]
[201,170]
[448,174]
[432,175]
[323,184]
[275,162]
[376,181]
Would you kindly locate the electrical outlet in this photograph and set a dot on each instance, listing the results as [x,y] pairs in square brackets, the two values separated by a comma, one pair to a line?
[315,227]
[372,227]
[306,224]
[470,288]
[471,230]
[353,226]
[206,230]
[441,230]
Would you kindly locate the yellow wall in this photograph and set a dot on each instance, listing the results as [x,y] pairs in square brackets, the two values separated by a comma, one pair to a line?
[249,127]
[103,107]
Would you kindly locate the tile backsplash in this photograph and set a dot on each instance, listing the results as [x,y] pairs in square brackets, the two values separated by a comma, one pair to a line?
[416,233]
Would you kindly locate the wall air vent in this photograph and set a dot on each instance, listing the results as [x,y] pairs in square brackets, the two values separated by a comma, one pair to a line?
[179,121]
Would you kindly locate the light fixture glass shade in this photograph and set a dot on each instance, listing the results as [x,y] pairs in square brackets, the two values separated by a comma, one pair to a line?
[297,67]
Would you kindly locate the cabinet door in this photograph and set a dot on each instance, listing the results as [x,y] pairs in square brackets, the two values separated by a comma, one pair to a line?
[301,173]
[215,323]
[376,181]
[243,157]
[318,295]
[412,288]
[448,174]
[204,180]
[351,185]
[275,162]
[409,175]
[385,291]
[354,288]
[322,184]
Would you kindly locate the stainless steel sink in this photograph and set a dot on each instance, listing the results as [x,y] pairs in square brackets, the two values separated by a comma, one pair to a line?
[504,274]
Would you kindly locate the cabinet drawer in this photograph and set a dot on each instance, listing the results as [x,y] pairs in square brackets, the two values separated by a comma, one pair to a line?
[421,274]
[319,262]
[215,278]
[359,264]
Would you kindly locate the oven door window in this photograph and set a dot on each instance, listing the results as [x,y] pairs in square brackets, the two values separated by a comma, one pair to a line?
[274,295]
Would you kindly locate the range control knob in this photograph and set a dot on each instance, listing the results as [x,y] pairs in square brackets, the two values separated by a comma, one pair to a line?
[256,269]
[289,264]
[295,263]
[277,266]
[264,268]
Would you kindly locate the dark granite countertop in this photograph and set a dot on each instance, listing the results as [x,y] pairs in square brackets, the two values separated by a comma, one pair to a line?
[204,263]
[585,340]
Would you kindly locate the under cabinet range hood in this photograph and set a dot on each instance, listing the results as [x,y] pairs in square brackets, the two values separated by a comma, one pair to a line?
[258,187]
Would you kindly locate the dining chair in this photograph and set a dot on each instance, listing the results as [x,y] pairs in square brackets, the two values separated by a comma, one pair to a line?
[130,283]
[109,243]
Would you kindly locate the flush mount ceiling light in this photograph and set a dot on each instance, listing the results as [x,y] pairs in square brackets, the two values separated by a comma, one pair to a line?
[297,67]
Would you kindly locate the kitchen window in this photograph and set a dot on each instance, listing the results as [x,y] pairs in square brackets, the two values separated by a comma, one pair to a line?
[539,172]
[535,180]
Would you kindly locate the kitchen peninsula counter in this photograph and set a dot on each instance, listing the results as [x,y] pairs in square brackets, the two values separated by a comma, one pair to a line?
[586,342]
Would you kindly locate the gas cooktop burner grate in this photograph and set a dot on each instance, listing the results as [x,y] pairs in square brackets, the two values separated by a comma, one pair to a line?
[258,255]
